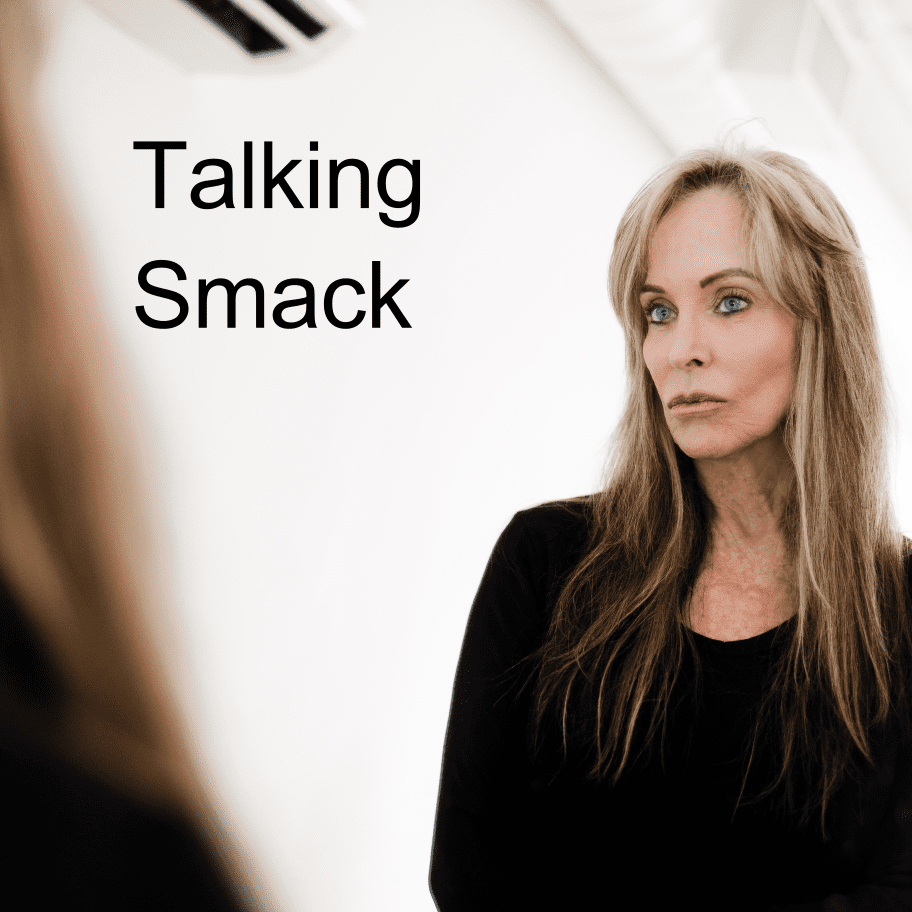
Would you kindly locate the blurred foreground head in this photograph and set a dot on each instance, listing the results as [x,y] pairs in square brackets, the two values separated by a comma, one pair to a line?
[90,743]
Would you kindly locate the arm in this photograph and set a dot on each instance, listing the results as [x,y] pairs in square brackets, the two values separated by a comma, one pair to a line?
[481,851]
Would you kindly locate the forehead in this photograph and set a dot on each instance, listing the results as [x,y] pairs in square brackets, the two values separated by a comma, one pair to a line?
[700,235]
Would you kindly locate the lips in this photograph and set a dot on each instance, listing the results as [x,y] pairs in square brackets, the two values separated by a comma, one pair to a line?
[689,399]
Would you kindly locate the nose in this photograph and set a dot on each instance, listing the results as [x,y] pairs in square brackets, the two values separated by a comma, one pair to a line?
[689,343]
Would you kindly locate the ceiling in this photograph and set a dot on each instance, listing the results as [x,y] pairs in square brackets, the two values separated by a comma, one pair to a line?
[828,75]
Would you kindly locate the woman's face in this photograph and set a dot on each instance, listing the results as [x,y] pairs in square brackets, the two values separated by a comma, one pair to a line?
[714,330]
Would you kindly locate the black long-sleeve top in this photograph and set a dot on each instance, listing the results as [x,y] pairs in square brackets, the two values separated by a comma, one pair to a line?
[524,833]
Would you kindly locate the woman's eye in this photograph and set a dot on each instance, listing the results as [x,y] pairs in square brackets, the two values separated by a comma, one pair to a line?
[738,303]
[650,314]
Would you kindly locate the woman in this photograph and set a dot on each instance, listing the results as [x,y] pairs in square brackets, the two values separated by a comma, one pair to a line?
[102,806]
[717,646]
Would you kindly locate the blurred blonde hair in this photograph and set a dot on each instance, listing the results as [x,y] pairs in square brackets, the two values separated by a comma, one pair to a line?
[74,544]
[619,625]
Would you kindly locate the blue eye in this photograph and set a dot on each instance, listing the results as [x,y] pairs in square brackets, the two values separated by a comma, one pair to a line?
[731,297]
[652,310]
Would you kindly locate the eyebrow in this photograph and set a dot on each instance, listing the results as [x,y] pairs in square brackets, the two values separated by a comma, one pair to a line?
[722,274]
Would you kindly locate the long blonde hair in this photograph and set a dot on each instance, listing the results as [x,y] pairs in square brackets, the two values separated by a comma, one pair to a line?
[73,538]
[617,634]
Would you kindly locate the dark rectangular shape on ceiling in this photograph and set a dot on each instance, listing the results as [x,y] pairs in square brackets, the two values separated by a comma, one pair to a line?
[303,21]
[238,26]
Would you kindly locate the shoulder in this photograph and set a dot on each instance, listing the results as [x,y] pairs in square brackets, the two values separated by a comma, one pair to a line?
[543,543]
[554,520]
[534,555]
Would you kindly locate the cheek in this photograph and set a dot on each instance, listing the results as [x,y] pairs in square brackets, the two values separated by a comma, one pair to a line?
[770,374]
[768,356]
[770,343]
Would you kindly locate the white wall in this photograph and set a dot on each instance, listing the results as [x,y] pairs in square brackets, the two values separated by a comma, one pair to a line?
[332,496]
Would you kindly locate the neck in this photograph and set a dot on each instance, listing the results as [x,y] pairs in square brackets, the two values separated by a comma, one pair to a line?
[749,491]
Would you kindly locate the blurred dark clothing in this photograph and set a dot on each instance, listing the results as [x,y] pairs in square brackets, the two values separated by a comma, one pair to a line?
[70,841]
[518,832]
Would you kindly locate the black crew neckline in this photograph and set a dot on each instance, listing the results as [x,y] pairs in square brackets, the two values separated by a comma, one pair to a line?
[763,642]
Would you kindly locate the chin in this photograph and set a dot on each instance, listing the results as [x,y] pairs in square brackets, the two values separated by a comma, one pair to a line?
[706,449]
[708,443]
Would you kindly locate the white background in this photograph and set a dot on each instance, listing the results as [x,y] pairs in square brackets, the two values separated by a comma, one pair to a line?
[331,496]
